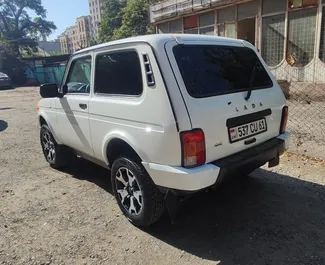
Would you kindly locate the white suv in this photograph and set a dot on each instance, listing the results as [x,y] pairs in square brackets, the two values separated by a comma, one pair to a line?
[168,114]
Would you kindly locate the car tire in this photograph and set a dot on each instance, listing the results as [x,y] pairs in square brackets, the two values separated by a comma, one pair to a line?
[58,156]
[136,194]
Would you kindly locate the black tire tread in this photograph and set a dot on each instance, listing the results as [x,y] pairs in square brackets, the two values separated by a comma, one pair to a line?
[157,198]
[63,154]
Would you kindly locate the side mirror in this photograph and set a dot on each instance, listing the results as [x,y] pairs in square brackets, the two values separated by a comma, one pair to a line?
[49,91]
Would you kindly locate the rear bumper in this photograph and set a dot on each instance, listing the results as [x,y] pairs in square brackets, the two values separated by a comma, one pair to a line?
[195,179]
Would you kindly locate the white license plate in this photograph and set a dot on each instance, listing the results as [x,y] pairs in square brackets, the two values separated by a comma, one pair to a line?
[247,130]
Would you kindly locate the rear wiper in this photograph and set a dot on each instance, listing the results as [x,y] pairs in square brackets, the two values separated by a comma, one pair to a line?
[251,83]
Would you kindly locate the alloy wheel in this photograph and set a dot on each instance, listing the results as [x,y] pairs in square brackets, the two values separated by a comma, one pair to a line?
[48,146]
[128,191]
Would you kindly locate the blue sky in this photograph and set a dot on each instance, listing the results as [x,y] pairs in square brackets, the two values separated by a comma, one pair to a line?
[64,13]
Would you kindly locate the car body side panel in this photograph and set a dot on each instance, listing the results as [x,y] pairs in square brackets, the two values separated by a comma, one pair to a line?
[48,112]
[145,122]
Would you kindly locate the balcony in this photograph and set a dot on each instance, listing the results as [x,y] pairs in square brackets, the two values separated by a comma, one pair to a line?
[172,8]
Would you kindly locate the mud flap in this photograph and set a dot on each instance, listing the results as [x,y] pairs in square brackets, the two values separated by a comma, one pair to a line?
[274,162]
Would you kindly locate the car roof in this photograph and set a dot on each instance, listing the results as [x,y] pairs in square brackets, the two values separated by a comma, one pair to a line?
[156,39]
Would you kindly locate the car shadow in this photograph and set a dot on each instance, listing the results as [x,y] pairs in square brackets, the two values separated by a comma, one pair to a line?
[3,125]
[87,171]
[267,218]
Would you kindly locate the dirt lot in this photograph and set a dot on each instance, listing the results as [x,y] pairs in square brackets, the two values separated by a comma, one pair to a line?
[52,217]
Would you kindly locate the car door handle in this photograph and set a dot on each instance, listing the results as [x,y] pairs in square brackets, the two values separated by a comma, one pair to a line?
[83,106]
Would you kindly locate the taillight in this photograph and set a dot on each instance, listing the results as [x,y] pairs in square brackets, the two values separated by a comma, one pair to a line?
[284,120]
[193,147]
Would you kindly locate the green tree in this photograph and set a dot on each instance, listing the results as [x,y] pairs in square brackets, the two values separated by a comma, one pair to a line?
[125,18]
[18,27]
[6,52]
[135,20]
[112,19]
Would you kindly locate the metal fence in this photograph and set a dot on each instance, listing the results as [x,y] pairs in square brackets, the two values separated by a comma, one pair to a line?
[42,70]
[293,47]
[306,122]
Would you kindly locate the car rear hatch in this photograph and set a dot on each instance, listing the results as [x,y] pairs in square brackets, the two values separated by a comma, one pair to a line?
[214,78]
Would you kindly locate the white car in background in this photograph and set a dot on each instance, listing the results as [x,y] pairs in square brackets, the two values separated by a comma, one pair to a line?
[167,114]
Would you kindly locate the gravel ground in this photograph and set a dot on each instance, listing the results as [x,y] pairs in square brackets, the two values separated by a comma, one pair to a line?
[52,217]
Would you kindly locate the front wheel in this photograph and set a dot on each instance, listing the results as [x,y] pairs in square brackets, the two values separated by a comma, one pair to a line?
[136,194]
[56,155]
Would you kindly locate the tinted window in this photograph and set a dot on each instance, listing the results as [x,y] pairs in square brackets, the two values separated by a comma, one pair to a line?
[118,73]
[78,80]
[212,70]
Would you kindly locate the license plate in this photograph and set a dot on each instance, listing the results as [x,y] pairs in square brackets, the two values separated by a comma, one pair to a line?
[247,130]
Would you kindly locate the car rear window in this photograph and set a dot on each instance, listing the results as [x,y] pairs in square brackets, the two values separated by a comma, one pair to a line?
[214,70]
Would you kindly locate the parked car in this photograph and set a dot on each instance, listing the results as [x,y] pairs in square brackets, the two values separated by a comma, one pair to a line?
[5,81]
[169,115]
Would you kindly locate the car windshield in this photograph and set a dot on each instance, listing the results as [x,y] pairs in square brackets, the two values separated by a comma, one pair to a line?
[214,70]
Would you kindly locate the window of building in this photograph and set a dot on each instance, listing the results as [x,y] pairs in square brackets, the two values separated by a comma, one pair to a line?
[118,73]
[322,39]
[226,14]
[79,76]
[163,28]
[176,26]
[247,10]
[295,4]
[207,31]
[273,6]
[301,36]
[273,31]
[206,23]
[190,22]
[206,19]
[227,30]
[273,36]
[191,31]
[230,30]
[221,30]
[226,25]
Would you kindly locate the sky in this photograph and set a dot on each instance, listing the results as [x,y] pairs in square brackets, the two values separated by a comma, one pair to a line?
[64,13]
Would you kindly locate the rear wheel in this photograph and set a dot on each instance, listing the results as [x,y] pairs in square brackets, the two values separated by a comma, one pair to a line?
[56,155]
[137,196]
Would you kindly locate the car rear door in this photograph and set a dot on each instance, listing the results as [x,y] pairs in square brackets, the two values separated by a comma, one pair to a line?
[214,78]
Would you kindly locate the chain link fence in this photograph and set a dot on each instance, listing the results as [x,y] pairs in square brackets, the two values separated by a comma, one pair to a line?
[306,122]
[293,46]
[306,101]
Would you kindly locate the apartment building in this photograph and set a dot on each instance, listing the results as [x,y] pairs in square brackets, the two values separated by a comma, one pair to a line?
[96,9]
[76,37]
[289,34]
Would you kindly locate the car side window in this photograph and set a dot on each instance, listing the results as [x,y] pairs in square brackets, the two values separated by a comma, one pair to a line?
[79,77]
[118,73]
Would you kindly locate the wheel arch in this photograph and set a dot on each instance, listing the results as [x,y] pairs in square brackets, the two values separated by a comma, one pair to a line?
[43,119]
[117,144]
